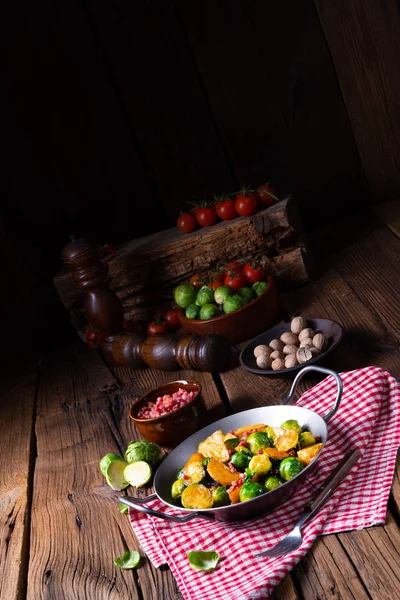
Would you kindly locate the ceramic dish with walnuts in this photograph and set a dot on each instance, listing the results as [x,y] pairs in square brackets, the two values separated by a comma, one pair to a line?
[291,346]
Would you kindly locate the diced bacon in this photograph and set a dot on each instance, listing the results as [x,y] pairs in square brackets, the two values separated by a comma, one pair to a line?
[166,404]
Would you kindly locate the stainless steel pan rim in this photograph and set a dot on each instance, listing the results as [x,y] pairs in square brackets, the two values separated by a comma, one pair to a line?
[272,415]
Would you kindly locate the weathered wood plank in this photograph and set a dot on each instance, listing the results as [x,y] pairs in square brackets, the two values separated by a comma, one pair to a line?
[16,450]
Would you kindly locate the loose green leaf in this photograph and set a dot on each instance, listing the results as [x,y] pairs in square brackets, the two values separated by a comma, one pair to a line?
[129,560]
[123,508]
[203,560]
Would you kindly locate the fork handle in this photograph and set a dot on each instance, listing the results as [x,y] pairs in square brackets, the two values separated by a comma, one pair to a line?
[332,482]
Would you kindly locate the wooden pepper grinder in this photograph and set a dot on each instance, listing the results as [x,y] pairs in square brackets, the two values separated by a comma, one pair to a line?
[119,348]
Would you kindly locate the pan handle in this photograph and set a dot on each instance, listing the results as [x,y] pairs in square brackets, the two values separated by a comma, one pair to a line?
[301,374]
[137,504]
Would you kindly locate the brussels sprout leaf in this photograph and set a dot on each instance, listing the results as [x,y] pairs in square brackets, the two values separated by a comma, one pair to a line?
[249,474]
[129,560]
[123,509]
[203,560]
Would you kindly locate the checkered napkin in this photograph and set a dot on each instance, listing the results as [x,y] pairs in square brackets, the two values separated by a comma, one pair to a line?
[368,419]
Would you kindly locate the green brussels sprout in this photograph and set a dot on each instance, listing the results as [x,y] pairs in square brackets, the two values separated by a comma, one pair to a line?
[292,424]
[192,311]
[146,451]
[272,482]
[290,467]
[209,311]
[232,303]
[231,443]
[240,460]
[177,488]
[185,294]
[306,439]
[260,464]
[220,496]
[250,490]
[105,461]
[258,441]
[260,287]
[271,435]
[222,293]
[205,295]
[247,294]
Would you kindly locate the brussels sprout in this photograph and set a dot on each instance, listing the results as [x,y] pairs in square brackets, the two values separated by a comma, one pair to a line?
[185,294]
[220,496]
[271,435]
[209,311]
[257,441]
[222,294]
[290,467]
[146,451]
[177,488]
[231,443]
[272,482]
[260,464]
[250,490]
[205,295]
[232,303]
[240,460]
[260,287]
[105,461]
[192,311]
[247,294]
[306,439]
[292,424]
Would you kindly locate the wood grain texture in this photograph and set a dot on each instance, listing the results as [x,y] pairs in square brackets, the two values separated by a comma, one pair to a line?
[364,40]
[389,213]
[16,438]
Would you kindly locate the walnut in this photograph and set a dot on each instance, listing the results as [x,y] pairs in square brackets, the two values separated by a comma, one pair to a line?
[315,351]
[303,355]
[278,364]
[263,361]
[289,338]
[291,361]
[277,354]
[306,343]
[320,341]
[262,350]
[297,324]
[290,349]
[276,345]
[306,333]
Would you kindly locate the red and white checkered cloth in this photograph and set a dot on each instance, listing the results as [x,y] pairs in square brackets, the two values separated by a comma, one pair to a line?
[368,419]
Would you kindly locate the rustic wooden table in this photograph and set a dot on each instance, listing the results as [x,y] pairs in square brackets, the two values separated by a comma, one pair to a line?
[60,527]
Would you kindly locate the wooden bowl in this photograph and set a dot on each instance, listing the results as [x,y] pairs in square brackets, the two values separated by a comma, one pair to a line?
[171,429]
[332,331]
[241,324]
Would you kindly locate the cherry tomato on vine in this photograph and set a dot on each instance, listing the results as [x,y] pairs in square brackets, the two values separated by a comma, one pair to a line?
[171,318]
[245,204]
[156,326]
[253,273]
[186,222]
[226,210]
[197,280]
[266,195]
[233,267]
[216,283]
[94,338]
[206,216]
[235,281]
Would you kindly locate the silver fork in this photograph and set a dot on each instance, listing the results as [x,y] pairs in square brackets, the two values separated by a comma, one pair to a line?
[294,539]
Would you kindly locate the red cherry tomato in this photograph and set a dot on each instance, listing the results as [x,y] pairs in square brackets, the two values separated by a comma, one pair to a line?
[94,338]
[215,284]
[245,204]
[253,273]
[233,267]
[266,195]
[171,318]
[156,326]
[206,216]
[235,281]
[197,280]
[226,210]
[186,222]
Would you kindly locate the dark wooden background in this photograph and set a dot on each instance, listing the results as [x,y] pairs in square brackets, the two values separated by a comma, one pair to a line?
[117,113]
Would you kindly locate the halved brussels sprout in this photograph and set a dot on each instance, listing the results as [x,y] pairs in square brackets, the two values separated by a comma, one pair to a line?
[306,439]
[241,459]
[271,435]
[272,482]
[257,441]
[177,488]
[292,424]
[290,467]
[220,496]
[288,440]
[250,490]
[261,464]
[197,496]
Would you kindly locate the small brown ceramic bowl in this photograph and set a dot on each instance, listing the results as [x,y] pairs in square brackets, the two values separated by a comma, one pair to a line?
[171,429]
[242,324]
